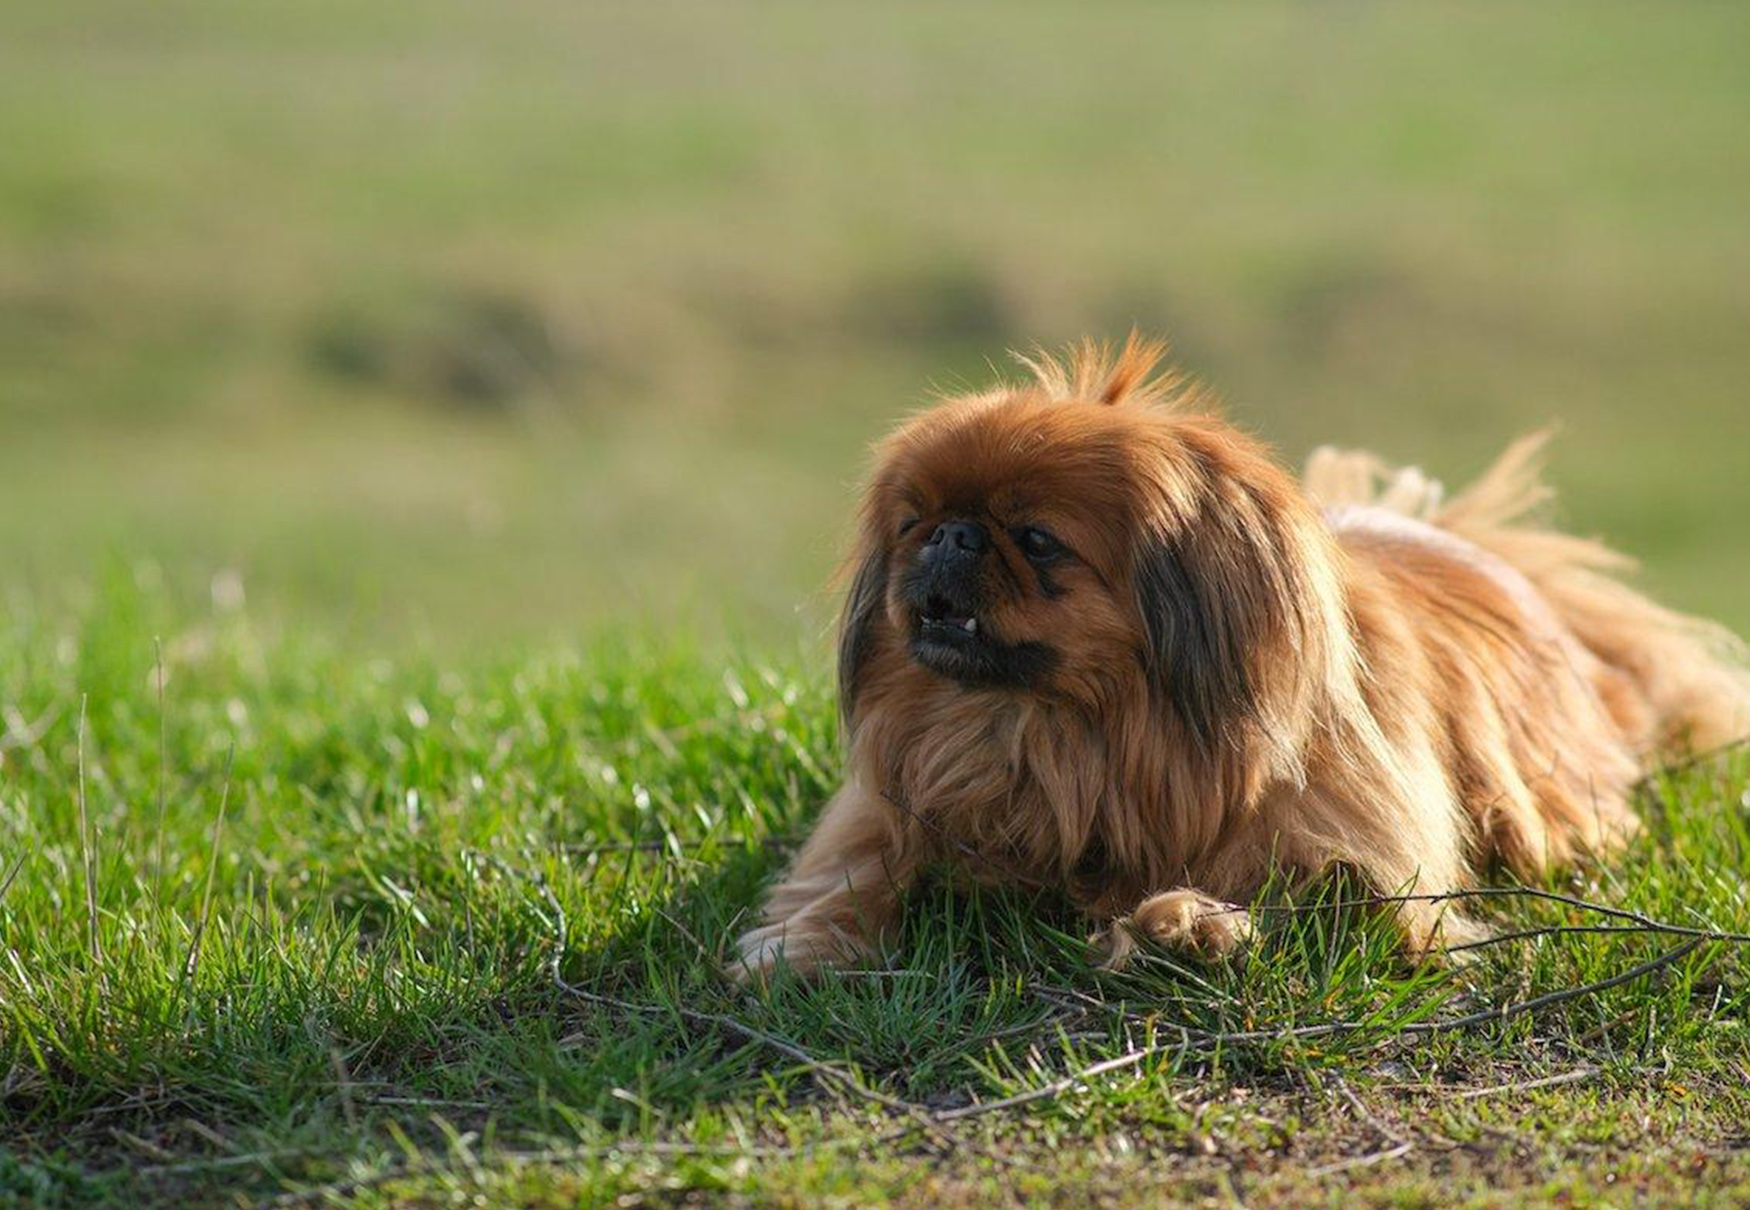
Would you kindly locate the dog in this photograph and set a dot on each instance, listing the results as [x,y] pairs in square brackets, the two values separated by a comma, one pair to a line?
[1097,639]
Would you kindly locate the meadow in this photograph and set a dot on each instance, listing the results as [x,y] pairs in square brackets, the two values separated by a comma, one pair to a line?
[425,436]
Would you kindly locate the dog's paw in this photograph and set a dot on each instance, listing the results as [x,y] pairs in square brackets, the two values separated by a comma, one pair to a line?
[1183,920]
[791,944]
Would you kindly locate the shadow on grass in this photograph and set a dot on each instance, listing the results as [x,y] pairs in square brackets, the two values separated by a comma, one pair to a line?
[981,992]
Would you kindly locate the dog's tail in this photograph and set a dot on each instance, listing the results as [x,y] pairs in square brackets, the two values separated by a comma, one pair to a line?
[1688,675]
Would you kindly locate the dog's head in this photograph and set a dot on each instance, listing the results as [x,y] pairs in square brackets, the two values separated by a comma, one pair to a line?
[1086,539]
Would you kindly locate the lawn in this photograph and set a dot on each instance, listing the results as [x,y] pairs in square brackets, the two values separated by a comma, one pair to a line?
[281,924]
[425,431]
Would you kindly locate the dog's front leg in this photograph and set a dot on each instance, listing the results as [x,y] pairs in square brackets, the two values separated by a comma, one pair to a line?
[841,895]
[1182,919]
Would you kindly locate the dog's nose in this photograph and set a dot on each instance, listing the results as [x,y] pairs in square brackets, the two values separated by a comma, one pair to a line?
[968,536]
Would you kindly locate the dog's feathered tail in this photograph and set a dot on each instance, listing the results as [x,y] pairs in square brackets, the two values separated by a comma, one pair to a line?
[1688,676]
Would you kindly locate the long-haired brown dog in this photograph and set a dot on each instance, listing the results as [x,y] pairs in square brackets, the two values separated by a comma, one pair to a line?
[1098,639]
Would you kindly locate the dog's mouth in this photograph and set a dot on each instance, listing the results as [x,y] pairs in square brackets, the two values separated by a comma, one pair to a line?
[951,640]
[941,621]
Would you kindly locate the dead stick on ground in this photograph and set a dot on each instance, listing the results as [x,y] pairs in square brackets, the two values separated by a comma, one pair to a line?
[1364,1161]
[163,766]
[88,850]
[1644,923]
[1203,1041]
[192,964]
[1566,1077]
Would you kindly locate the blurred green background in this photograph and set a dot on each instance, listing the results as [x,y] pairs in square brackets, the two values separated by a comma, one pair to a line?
[454,321]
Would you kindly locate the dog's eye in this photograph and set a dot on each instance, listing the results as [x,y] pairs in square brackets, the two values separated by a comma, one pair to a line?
[906,526]
[1037,544]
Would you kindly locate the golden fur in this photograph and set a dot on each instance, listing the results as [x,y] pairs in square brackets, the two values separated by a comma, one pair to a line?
[1223,671]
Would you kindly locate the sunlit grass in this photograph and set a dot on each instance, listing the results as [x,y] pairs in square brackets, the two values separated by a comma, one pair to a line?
[368,957]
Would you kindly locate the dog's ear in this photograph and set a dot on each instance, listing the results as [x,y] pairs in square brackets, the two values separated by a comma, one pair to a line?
[1238,608]
[1191,657]
[863,605]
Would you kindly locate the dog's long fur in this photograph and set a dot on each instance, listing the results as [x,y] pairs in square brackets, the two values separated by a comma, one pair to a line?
[1226,672]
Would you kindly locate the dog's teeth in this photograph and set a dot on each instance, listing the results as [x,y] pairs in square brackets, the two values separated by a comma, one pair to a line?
[970,626]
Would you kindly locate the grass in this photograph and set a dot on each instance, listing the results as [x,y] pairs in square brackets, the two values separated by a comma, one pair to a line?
[407,934]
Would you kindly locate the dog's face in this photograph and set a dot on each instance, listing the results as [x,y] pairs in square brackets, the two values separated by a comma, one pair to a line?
[1083,541]
[1004,527]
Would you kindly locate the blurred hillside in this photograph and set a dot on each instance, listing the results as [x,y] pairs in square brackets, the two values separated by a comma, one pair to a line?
[460,320]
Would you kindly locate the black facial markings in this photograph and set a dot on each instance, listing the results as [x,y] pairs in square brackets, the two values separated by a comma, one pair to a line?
[990,665]
[856,628]
[1193,661]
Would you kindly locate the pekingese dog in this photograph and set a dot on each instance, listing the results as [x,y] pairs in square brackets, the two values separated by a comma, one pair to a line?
[1098,639]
